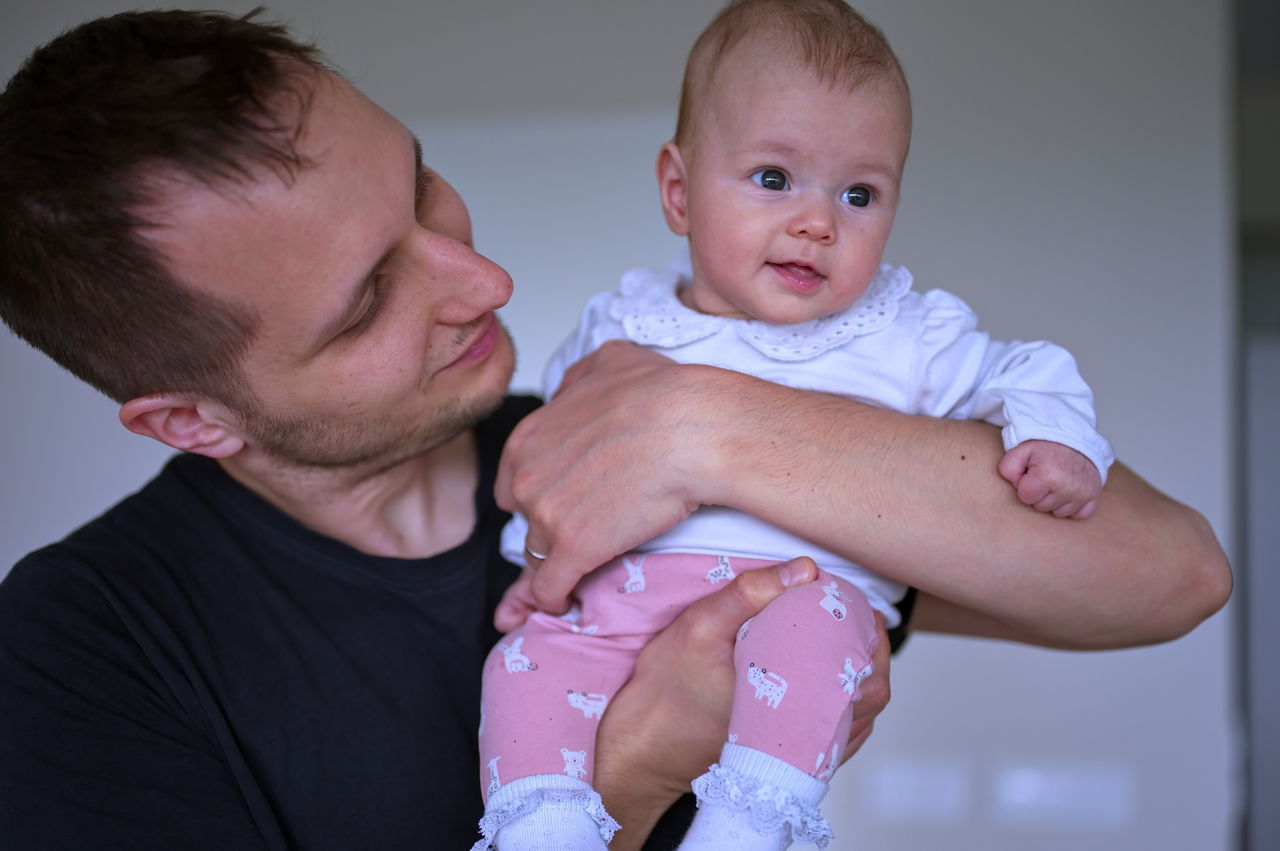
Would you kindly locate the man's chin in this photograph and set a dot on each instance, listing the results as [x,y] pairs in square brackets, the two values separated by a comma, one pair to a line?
[366,448]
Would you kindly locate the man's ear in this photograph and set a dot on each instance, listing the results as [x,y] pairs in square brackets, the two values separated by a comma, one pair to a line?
[672,186]
[187,423]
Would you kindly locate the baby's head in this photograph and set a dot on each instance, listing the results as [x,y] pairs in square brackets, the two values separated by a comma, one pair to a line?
[784,173]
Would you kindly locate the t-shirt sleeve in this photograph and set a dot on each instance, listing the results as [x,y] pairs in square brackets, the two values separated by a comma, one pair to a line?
[95,749]
[906,607]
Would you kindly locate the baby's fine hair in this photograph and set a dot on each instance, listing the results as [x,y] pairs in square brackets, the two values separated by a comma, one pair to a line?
[828,36]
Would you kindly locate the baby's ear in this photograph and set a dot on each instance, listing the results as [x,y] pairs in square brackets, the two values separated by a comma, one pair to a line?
[186,423]
[672,184]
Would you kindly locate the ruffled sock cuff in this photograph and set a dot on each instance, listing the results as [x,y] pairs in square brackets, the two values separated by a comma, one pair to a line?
[771,793]
[523,797]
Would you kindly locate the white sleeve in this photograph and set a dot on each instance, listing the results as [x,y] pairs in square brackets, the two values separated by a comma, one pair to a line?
[1033,391]
[511,543]
[594,328]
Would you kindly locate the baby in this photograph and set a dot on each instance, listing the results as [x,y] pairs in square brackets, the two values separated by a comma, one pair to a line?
[784,175]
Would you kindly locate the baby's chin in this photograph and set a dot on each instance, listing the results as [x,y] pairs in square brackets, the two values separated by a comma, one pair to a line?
[799,311]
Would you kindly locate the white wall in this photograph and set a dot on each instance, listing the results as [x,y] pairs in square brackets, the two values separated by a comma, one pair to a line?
[1069,176]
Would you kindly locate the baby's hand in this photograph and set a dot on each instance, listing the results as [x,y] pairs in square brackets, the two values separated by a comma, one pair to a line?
[1053,478]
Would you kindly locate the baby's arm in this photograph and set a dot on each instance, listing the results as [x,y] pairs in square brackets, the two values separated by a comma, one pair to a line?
[1052,478]
[1055,458]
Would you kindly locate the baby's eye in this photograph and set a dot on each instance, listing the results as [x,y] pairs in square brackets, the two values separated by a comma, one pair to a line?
[858,196]
[771,178]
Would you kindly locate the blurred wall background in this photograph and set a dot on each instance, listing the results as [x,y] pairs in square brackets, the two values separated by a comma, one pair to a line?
[1070,176]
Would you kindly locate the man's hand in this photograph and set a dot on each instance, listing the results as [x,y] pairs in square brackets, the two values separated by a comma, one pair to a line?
[1052,478]
[516,605]
[667,725]
[606,465]
[873,694]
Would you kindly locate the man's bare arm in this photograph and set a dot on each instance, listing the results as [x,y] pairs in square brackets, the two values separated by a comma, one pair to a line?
[1173,584]
[634,442]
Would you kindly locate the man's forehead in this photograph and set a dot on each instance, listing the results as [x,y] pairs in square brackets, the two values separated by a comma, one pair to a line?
[334,215]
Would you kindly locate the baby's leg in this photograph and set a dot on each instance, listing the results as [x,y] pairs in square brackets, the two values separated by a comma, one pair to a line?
[798,665]
[543,696]
[546,686]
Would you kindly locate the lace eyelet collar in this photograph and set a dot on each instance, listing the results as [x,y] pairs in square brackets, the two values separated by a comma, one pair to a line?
[651,314]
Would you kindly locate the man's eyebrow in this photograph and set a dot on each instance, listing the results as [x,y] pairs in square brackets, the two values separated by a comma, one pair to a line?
[423,176]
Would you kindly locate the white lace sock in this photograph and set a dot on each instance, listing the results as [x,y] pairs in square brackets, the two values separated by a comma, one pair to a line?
[752,801]
[547,812]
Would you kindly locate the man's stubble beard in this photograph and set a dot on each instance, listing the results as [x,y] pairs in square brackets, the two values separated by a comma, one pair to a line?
[370,446]
[367,446]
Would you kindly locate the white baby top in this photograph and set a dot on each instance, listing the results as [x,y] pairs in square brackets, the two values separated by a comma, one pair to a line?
[919,353]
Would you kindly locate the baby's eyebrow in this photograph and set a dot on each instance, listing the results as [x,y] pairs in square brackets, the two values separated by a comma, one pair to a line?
[777,148]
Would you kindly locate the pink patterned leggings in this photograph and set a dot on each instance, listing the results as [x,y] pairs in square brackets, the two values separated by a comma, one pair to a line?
[798,664]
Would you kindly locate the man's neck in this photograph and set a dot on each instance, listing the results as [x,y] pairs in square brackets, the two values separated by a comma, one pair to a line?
[418,508]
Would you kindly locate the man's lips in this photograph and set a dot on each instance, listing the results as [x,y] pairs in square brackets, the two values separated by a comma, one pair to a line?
[483,341]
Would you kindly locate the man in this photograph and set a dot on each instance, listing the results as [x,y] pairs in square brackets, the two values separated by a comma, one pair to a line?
[277,642]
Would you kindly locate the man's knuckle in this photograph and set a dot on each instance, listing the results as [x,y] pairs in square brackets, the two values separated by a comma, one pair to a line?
[752,589]
[522,483]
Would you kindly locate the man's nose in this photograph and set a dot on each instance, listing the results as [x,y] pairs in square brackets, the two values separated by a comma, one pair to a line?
[467,284]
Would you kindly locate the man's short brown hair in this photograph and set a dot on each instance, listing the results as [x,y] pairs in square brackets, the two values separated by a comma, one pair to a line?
[86,125]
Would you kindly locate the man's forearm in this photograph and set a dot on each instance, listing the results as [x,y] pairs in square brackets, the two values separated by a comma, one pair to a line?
[918,500]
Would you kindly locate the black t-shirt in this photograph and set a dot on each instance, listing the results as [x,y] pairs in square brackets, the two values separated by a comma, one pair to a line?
[195,669]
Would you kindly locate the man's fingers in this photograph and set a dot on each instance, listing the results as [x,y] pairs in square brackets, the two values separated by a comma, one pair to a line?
[502,484]
[536,548]
[574,374]
[720,614]
[873,693]
[715,615]
[510,614]
[584,367]
[858,735]
[553,580]
[516,604]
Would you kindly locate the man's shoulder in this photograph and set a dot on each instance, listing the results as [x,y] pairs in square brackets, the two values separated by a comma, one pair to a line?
[163,510]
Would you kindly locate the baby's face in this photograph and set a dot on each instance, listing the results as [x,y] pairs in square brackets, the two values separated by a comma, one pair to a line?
[791,190]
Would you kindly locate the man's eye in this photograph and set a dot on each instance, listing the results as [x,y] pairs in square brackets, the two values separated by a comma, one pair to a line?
[858,196]
[771,178]
[380,285]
